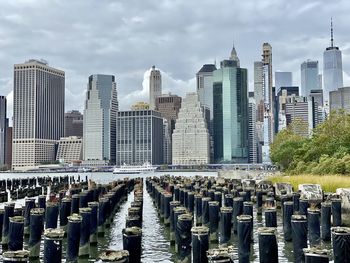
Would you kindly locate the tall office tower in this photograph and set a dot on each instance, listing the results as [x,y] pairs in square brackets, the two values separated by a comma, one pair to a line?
[38,113]
[259,90]
[269,98]
[332,70]
[309,77]
[169,106]
[205,93]
[155,87]
[340,99]
[100,114]
[303,112]
[230,101]
[70,149]
[139,137]
[252,138]
[191,136]
[283,79]
[73,123]
[3,127]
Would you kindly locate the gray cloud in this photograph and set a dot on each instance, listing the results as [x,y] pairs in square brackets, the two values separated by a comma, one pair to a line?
[125,38]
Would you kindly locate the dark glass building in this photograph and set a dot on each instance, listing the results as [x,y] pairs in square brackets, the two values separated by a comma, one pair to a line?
[230,102]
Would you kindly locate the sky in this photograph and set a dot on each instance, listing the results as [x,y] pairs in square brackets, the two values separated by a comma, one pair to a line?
[125,38]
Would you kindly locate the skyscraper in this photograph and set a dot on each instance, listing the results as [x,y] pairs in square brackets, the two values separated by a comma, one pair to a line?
[258,90]
[155,87]
[252,138]
[191,136]
[169,106]
[205,86]
[100,113]
[230,101]
[38,113]
[3,129]
[309,77]
[283,79]
[205,93]
[139,137]
[73,123]
[269,98]
[332,70]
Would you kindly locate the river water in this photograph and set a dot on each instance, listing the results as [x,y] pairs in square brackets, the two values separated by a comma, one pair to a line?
[155,236]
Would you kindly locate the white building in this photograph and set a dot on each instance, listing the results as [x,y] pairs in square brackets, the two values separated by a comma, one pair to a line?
[70,149]
[155,87]
[100,115]
[38,113]
[190,137]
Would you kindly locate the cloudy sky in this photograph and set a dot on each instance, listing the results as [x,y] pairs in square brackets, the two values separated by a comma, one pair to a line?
[127,37]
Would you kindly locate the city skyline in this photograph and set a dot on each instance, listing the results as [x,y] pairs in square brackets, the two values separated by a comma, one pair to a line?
[116,44]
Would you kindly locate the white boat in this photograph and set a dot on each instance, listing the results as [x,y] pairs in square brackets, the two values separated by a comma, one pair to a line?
[134,169]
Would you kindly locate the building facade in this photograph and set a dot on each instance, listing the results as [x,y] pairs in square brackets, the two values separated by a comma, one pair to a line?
[100,113]
[191,136]
[252,136]
[309,77]
[230,124]
[302,113]
[139,137]
[38,113]
[283,79]
[8,150]
[269,94]
[258,90]
[169,106]
[332,70]
[3,129]
[204,79]
[166,143]
[73,124]
[70,149]
[155,86]
[340,99]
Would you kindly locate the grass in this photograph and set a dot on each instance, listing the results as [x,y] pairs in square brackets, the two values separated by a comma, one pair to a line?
[329,183]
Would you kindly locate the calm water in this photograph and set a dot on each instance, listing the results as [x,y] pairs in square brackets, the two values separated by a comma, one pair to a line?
[155,244]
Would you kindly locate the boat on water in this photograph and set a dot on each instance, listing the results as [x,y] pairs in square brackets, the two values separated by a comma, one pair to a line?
[134,169]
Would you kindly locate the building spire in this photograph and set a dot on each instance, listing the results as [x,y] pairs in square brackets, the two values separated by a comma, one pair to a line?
[234,54]
[331,32]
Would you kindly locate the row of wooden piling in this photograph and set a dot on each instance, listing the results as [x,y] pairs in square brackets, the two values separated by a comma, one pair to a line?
[201,210]
[79,214]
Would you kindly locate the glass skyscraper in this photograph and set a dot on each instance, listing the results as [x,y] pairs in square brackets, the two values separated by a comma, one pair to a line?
[230,103]
[283,79]
[100,114]
[309,77]
[332,70]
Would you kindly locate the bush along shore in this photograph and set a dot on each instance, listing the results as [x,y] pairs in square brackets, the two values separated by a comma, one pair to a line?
[326,151]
